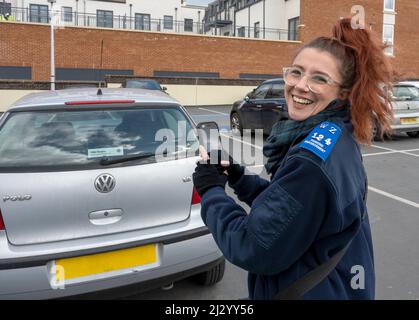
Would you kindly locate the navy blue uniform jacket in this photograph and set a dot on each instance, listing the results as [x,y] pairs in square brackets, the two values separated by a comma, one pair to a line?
[308,211]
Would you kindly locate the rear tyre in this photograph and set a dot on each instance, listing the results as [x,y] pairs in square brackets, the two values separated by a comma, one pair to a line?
[236,124]
[211,276]
[377,132]
[413,134]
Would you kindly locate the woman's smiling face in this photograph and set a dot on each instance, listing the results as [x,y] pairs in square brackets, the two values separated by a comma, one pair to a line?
[301,101]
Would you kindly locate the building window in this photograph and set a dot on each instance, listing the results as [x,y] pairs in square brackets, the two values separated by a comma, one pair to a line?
[227,34]
[5,8]
[293,28]
[38,13]
[67,14]
[142,21]
[389,5]
[241,32]
[188,24]
[388,38]
[104,18]
[168,22]
[257,30]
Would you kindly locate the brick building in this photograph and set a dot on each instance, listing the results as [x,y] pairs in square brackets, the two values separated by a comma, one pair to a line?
[25,48]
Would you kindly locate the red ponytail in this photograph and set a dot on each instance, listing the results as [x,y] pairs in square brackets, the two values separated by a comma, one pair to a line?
[366,71]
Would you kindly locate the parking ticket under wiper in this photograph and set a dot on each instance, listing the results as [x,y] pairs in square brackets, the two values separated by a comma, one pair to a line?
[109,161]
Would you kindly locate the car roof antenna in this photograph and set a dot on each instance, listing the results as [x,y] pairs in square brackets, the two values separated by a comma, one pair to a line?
[99,91]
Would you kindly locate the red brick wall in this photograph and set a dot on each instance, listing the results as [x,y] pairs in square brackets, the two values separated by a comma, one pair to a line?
[24,45]
[29,45]
[406,38]
[318,16]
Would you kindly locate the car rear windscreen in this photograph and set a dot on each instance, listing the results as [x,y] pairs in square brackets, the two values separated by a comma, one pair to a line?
[79,139]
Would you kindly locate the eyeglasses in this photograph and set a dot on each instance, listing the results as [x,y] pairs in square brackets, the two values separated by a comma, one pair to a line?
[315,82]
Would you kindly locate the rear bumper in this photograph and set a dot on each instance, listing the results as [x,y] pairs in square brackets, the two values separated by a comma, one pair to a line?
[25,271]
[40,260]
[405,128]
[126,291]
[397,126]
[178,260]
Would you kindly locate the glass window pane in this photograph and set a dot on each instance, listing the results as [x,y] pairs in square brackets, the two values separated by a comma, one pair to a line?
[277,90]
[388,33]
[38,13]
[293,28]
[5,8]
[188,25]
[67,14]
[104,18]
[80,138]
[257,30]
[142,21]
[43,13]
[168,22]
[389,4]
[261,92]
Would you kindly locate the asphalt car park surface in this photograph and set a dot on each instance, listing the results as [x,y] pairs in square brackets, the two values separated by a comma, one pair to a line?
[393,206]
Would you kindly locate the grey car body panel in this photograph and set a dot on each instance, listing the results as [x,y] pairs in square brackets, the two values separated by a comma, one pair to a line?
[36,254]
[150,202]
[34,282]
[43,100]
[62,203]
[33,261]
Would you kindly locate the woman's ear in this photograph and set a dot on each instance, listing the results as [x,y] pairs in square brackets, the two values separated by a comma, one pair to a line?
[344,94]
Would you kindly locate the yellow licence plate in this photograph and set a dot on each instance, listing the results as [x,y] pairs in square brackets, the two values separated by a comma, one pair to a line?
[105,262]
[409,120]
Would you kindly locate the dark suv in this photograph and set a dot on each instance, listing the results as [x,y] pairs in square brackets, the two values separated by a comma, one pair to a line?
[261,108]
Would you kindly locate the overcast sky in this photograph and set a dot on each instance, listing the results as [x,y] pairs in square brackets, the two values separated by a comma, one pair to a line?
[199,2]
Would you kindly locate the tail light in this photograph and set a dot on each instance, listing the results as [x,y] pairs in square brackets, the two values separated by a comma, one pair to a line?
[196,199]
[2,226]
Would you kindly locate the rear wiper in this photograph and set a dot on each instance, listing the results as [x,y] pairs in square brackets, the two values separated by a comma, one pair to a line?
[108,161]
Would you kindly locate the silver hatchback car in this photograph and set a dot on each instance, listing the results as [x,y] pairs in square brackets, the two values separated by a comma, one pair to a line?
[406,109]
[97,193]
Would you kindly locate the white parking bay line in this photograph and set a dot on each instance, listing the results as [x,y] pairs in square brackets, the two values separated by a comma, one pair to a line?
[224,114]
[397,151]
[383,193]
[240,140]
[389,152]
[377,153]
[394,197]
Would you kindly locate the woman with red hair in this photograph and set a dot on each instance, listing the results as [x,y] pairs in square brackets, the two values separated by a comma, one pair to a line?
[307,234]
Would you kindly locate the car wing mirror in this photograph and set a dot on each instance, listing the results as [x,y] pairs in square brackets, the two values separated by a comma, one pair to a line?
[164,88]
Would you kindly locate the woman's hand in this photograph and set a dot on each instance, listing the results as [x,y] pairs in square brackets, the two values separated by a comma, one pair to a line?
[234,170]
[211,172]
[207,176]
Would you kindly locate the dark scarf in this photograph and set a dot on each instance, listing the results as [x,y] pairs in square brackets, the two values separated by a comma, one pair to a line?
[285,132]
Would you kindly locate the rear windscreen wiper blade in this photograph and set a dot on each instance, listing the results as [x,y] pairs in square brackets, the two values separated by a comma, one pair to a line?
[108,161]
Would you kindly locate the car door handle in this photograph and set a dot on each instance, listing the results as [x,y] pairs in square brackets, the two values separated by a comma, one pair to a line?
[259,106]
